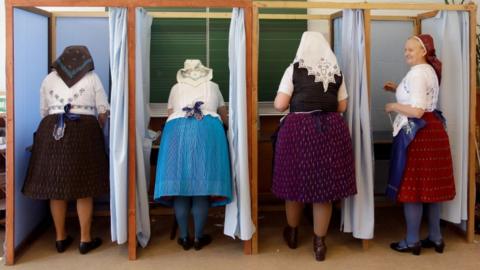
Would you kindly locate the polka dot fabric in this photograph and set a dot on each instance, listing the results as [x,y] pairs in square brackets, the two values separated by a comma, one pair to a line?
[428,175]
[313,159]
[73,167]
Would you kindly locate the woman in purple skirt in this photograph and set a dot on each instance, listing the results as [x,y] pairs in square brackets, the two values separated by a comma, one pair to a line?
[313,151]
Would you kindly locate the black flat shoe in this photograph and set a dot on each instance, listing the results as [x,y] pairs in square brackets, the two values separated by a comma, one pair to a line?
[185,242]
[202,241]
[86,247]
[427,243]
[415,249]
[62,245]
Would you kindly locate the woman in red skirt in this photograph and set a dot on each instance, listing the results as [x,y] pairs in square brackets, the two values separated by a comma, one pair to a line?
[421,158]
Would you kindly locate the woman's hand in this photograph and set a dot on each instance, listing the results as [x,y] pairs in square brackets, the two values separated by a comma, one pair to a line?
[390,107]
[223,112]
[390,86]
[102,118]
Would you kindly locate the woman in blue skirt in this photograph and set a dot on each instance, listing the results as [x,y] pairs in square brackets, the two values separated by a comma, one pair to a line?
[193,170]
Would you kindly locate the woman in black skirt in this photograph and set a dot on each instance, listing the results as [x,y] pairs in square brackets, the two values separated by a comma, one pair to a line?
[68,159]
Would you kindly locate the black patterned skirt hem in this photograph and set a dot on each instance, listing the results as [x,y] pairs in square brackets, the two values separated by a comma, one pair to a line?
[74,167]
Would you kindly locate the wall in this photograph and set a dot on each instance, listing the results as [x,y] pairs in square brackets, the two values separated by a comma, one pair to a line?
[31,66]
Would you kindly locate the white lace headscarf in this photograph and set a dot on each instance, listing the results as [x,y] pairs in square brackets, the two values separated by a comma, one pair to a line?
[194,73]
[315,55]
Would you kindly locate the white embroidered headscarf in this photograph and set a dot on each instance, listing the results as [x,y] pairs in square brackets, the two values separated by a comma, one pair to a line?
[194,73]
[315,55]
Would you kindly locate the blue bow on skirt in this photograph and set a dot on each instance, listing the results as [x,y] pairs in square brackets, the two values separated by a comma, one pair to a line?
[59,128]
[194,111]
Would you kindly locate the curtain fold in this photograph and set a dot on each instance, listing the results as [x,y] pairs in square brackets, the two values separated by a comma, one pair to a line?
[238,219]
[358,210]
[118,124]
[143,143]
[455,94]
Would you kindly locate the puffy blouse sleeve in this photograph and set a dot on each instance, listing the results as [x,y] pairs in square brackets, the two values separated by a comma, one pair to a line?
[342,91]
[101,100]
[172,97]
[221,102]
[286,84]
[418,85]
[43,99]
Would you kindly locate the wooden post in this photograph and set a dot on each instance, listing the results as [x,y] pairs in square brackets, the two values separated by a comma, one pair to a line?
[472,128]
[417,26]
[254,127]
[132,233]
[331,28]
[10,168]
[53,38]
[251,101]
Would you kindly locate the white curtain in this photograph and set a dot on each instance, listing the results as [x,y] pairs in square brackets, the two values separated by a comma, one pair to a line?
[143,144]
[118,124]
[453,30]
[358,210]
[238,219]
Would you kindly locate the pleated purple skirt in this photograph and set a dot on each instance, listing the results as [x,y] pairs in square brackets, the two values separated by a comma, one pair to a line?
[313,160]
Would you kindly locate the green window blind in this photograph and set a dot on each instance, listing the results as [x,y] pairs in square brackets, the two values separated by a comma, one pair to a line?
[174,40]
[279,41]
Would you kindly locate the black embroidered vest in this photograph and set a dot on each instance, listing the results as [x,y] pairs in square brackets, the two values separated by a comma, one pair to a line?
[309,95]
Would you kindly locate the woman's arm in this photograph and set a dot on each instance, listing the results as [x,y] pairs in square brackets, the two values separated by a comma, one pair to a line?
[102,118]
[406,110]
[342,106]
[223,112]
[282,102]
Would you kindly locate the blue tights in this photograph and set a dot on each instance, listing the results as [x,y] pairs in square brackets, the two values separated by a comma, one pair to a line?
[198,205]
[413,215]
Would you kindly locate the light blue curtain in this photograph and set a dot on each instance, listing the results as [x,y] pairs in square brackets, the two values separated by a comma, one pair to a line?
[450,30]
[143,141]
[358,210]
[238,219]
[118,124]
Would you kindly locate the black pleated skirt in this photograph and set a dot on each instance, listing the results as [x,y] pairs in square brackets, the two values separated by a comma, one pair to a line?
[76,166]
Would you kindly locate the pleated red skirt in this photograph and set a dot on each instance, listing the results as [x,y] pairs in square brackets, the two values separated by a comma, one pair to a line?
[428,175]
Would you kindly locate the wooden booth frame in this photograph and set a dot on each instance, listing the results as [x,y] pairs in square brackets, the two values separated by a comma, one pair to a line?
[252,16]
[131,5]
[367,8]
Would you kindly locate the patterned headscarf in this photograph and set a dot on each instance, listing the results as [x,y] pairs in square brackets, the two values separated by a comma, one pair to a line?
[73,64]
[427,43]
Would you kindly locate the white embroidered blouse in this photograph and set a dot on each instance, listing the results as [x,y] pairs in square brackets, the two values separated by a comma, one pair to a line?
[419,89]
[87,96]
[185,95]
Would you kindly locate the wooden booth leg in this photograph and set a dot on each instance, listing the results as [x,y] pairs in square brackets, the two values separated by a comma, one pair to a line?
[365,244]
[247,247]
[132,226]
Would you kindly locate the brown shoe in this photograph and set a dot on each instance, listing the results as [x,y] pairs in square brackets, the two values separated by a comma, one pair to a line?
[290,235]
[319,248]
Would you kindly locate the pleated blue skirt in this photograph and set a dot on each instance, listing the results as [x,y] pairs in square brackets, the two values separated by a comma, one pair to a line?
[193,160]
